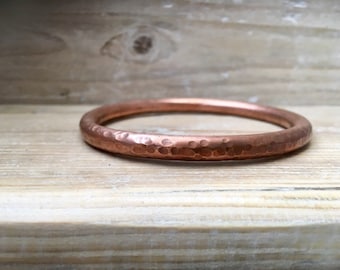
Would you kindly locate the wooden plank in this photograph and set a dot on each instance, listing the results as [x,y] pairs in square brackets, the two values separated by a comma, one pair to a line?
[65,205]
[70,246]
[279,52]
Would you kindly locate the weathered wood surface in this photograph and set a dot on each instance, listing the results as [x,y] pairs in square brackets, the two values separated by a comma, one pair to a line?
[279,52]
[64,205]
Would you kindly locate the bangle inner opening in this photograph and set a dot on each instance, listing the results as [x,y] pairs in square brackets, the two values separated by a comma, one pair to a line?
[192,124]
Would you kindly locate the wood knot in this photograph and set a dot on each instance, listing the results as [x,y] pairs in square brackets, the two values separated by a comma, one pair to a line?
[142,44]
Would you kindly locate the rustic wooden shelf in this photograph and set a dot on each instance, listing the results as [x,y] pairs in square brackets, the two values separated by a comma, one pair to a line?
[64,204]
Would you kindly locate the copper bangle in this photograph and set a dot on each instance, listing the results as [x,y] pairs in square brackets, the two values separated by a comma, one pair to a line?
[297,131]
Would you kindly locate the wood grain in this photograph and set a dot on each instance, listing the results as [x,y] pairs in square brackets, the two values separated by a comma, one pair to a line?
[64,205]
[277,52]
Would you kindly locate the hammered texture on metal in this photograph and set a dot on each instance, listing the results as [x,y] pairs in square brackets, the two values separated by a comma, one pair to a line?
[296,134]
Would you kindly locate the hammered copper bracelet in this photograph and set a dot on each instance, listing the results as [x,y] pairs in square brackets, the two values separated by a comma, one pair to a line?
[296,133]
